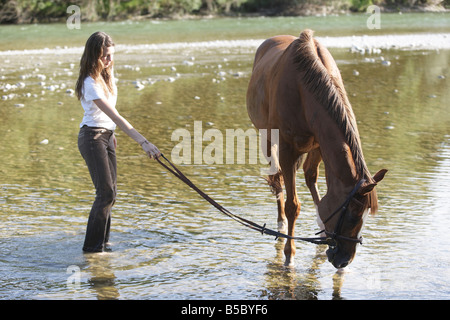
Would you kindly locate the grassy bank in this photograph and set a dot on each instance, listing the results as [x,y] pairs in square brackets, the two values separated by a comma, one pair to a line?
[35,11]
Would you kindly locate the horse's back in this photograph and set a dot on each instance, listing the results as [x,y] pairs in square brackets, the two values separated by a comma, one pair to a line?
[280,63]
[266,57]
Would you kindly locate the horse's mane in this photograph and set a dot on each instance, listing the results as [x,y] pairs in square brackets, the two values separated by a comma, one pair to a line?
[329,91]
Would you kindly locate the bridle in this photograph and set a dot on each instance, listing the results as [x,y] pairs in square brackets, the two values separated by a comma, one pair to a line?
[330,239]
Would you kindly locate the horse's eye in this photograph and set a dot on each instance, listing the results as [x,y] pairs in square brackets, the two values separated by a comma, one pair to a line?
[357,203]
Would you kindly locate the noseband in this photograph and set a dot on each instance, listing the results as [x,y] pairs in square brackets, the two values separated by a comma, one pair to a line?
[332,237]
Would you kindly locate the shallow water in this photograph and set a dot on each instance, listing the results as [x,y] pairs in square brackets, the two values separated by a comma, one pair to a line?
[167,243]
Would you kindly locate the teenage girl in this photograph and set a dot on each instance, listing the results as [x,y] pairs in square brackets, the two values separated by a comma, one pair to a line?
[97,91]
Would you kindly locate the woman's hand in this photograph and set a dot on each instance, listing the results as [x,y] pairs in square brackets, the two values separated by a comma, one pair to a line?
[151,150]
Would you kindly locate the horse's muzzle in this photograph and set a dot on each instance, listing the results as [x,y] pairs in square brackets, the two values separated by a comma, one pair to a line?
[336,259]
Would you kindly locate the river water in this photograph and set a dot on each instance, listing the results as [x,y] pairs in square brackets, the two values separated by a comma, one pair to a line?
[167,243]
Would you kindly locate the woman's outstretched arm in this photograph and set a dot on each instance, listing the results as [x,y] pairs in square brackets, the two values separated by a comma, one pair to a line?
[151,150]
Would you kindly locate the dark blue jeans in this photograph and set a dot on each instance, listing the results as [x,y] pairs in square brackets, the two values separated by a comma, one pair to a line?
[96,145]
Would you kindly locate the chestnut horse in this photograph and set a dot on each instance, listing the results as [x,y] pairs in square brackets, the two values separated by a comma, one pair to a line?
[297,88]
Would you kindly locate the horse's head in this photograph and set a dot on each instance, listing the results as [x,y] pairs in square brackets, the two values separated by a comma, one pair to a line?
[343,225]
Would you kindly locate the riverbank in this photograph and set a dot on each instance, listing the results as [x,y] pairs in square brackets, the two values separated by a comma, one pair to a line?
[45,11]
[308,9]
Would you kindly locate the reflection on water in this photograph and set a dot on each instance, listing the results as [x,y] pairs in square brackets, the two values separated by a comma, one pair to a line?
[167,243]
[101,276]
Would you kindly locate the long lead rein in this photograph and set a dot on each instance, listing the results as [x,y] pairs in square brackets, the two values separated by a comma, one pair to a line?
[250,224]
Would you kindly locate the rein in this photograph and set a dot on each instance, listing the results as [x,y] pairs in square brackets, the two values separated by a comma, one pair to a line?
[330,239]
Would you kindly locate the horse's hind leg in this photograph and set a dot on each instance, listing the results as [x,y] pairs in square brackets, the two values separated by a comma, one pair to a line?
[276,184]
[275,181]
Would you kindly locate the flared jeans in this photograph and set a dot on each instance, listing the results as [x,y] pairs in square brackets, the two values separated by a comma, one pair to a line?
[96,145]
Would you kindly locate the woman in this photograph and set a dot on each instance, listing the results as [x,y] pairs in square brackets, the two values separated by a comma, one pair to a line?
[97,92]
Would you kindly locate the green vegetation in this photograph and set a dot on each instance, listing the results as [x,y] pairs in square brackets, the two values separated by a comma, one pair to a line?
[32,11]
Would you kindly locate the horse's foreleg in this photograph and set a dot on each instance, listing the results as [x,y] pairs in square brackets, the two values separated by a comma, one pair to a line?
[288,162]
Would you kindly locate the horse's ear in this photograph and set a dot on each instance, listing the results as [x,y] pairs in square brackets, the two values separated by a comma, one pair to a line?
[379,175]
[369,187]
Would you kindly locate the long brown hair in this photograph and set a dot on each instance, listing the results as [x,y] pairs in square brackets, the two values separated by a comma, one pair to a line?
[91,65]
